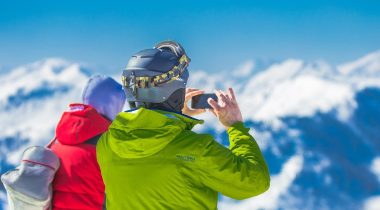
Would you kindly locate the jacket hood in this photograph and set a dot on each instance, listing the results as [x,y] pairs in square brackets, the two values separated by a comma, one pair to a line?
[105,95]
[144,132]
[79,124]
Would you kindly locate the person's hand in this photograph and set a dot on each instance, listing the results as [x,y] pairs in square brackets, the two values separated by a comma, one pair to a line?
[226,109]
[190,92]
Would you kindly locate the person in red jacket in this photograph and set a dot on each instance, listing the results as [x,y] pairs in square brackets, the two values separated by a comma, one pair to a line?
[78,182]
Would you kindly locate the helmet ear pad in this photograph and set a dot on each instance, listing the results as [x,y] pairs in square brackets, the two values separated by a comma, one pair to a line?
[175,102]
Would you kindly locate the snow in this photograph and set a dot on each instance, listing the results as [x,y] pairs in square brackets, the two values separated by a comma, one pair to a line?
[3,200]
[262,138]
[302,96]
[372,203]
[367,65]
[288,88]
[34,75]
[35,118]
[363,72]
[321,165]
[375,167]
[244,70]
[295,88]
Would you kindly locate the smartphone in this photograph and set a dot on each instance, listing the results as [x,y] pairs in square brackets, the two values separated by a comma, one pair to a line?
[200,101]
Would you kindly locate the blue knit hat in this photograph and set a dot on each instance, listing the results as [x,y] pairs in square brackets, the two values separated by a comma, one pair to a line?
[105,95]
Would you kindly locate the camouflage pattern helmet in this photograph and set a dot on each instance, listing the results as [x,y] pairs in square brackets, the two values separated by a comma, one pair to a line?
[153,75]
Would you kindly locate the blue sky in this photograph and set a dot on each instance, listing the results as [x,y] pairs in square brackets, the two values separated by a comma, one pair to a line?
[218,35]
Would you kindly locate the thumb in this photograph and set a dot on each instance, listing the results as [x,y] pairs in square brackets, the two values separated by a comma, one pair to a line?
[213,104]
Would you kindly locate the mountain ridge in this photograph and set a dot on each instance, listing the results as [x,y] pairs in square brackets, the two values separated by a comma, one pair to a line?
[297,111]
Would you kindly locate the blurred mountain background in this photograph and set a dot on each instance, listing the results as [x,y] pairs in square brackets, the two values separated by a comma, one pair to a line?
[316,123]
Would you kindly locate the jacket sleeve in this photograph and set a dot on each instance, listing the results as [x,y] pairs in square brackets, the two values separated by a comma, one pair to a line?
[239,172]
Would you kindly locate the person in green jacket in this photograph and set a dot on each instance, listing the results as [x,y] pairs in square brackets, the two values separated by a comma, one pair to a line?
[151,159]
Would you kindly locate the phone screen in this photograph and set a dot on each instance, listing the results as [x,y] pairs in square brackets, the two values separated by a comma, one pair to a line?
[200,101]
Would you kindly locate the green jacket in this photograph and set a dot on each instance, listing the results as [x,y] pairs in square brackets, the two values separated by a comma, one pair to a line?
[151,159]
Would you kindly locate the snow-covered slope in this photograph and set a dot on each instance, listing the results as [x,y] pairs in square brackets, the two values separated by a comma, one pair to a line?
[295,88]
[367,66]
[32,98]
[317,124]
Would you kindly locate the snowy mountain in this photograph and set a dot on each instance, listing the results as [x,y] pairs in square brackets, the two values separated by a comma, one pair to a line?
[318,125]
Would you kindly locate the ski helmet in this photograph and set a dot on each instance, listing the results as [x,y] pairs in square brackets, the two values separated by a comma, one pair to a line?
[156,78]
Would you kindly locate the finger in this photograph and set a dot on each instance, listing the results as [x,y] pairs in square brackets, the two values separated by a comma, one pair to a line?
[200,111]
[189,95]
[220,100]
[223,93]
[219,94]
[188,90]
[232,94]
[223,97]
[213,104]
[229,95]
[194,93]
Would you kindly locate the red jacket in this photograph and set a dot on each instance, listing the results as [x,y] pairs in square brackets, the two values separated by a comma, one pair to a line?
[78,182]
